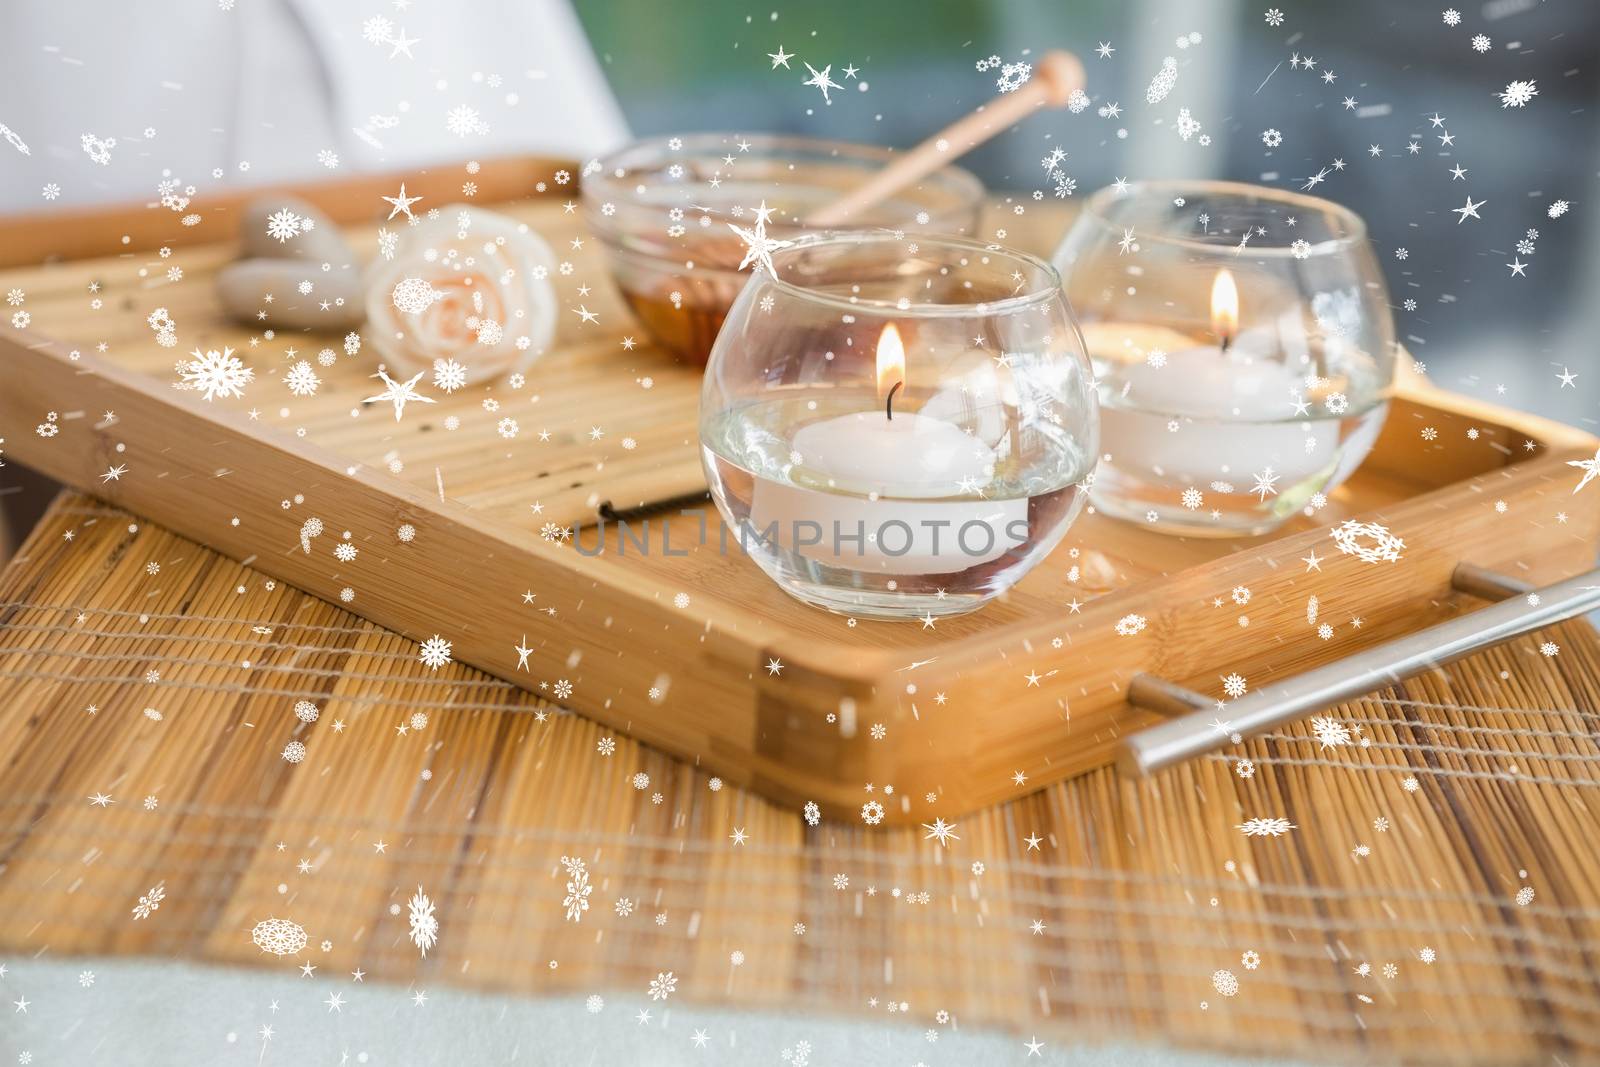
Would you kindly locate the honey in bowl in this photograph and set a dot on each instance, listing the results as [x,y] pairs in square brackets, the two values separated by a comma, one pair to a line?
[662,209]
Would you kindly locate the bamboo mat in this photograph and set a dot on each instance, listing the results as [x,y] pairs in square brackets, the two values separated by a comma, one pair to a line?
[139,666]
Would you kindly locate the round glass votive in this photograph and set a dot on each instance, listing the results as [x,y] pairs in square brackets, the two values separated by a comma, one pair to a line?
[1243,345]
[898,427]
[662,209]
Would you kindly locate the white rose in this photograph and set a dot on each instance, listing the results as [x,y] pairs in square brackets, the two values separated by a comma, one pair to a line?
[469,285]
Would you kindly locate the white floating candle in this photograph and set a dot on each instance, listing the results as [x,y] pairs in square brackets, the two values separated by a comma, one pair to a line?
[879,489]
[1235,404]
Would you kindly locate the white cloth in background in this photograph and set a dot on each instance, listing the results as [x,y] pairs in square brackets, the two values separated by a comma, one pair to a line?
[272,83]
[146,1012]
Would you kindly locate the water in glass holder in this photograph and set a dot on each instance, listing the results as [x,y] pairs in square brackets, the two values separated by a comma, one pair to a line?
[1242,342]
[898,428]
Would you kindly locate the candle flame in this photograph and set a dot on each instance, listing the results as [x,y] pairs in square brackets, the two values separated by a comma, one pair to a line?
[1224,307]
[891,359]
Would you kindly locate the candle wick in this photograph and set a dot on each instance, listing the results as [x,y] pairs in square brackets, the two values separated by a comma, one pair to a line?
[1227,339]
[888,403]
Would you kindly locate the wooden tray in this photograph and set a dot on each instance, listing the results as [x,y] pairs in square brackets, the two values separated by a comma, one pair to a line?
[700,654]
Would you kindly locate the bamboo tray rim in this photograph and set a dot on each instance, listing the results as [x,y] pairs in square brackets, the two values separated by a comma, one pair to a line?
[70,233]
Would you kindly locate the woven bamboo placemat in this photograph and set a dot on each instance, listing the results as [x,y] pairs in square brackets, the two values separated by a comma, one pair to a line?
[1435,900]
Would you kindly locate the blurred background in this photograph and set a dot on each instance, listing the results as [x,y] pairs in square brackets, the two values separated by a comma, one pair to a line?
[1476,326]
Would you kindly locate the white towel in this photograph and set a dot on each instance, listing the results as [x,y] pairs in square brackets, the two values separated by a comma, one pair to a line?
[146,1012]
[256,91]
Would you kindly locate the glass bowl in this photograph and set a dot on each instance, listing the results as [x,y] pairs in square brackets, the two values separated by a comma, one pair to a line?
[1244,349]
[661,209]
[898,427]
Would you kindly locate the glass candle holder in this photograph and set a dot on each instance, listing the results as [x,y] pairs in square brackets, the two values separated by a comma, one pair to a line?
[898,427]
[1243,345]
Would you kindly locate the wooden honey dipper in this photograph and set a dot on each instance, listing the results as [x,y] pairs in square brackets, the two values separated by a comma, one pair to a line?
[1056,76]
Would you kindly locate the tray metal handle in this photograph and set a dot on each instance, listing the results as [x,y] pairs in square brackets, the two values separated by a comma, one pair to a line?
[1191,734]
